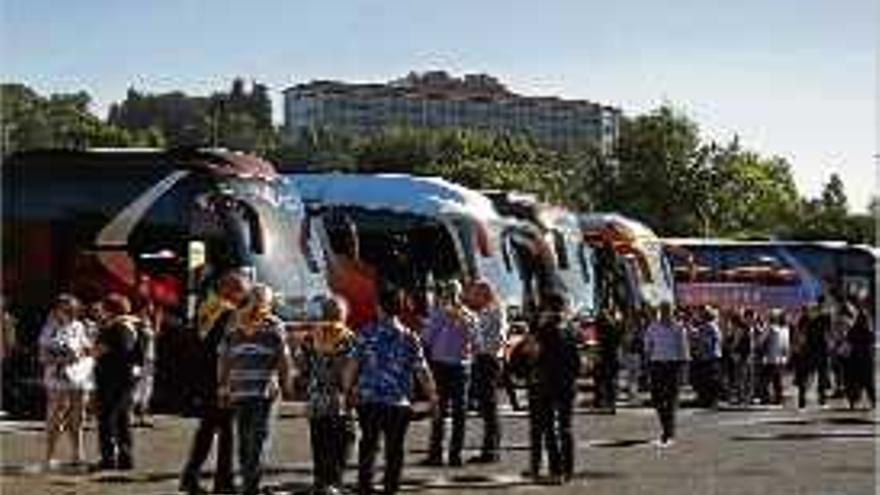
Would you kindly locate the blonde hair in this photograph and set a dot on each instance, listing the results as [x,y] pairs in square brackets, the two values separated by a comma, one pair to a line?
[258,303]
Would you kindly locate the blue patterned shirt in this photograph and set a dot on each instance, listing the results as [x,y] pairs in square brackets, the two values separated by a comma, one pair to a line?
[387,355]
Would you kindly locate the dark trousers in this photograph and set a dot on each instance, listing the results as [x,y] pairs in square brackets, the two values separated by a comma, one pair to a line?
[665,382]
[252,423]
[805,368]
[706,380]
[550,428]
[331,438]
[214,422]
[606,382]
[771,383]
[451,382]
[114,429]
[486,374]
[859,378]
[391,422]
[509,387]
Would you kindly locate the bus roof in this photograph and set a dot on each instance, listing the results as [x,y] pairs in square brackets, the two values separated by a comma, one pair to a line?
[527,206]
[430,196]
[217,161]
[632,229]
[699,241]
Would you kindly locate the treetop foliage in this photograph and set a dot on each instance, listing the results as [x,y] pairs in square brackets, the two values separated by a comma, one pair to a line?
[662,172]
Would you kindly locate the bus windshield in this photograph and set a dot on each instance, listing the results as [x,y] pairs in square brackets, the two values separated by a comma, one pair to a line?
[272,229]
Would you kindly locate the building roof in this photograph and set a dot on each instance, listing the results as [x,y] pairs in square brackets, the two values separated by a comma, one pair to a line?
[473,87]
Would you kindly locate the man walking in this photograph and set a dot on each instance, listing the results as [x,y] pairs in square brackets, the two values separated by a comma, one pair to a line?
[666,345]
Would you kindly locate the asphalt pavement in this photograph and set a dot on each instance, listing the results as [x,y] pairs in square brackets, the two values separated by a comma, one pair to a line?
[737,451]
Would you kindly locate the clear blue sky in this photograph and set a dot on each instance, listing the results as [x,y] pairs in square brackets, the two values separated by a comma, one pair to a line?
[793,77]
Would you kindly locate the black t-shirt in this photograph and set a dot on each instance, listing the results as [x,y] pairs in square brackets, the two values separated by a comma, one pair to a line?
[121,353]
[558,362]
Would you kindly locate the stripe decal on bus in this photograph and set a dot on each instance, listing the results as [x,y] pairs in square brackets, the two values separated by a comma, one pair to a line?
[115,234]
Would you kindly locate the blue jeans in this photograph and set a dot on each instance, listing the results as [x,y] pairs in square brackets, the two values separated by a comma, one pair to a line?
[252,422]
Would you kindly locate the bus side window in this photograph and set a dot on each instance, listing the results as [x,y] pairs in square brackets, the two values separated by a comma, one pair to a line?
[584,257]
[561,251]
[506,248]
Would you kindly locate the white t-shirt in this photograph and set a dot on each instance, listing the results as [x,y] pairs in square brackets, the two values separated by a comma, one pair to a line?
[57,343]
[666,342]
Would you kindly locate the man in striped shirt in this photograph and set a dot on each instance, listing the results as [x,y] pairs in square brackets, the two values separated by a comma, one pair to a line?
[254,367]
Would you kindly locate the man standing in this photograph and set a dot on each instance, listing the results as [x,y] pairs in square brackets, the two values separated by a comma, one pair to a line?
[666,345]
[813,354]
[378,377]
[706,366]
[610,327]
[118,354]
[448,339]
[214,321]
[557,366]
[253,370]
[860,363]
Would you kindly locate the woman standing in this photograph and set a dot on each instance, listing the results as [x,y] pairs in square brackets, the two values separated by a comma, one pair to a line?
[322,357]
[490,341]
[65,351]
[254,368]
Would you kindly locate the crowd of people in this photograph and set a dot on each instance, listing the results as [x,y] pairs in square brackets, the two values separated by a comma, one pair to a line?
[445,350]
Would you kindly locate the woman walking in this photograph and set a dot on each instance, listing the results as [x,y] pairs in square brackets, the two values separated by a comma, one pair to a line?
[66,354]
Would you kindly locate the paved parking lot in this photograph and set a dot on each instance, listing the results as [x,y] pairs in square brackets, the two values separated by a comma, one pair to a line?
[757,451]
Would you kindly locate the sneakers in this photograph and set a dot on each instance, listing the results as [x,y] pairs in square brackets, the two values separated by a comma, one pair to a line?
[50,465]
[663,443]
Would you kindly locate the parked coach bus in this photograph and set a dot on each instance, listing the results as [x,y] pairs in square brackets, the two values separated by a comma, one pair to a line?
[632,267]
[149,224]
[767,274]
[414,230]
[551,237]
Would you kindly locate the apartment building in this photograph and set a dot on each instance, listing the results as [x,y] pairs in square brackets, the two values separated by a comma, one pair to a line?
[436,99]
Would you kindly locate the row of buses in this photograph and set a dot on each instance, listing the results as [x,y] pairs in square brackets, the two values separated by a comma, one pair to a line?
[164,224]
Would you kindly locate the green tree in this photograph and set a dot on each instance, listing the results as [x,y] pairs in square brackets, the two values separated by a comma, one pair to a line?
[31,121]
[659,179]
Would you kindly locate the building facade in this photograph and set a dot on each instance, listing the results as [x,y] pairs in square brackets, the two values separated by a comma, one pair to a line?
[435,99]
